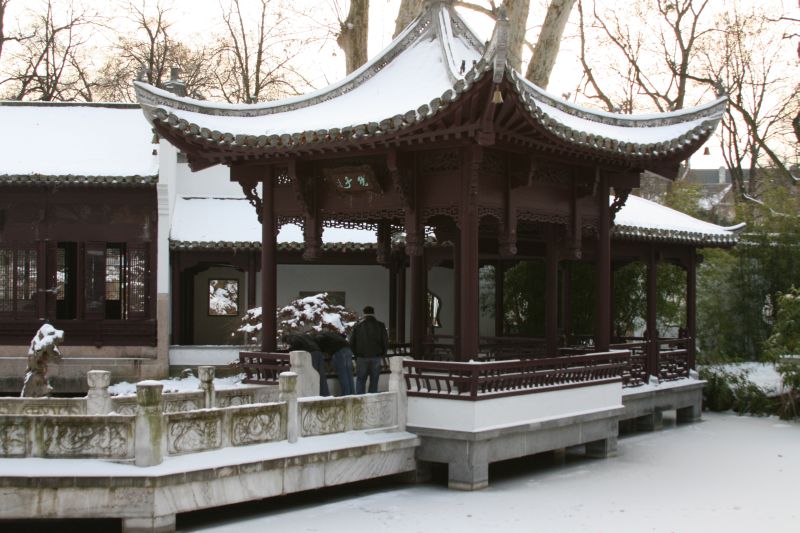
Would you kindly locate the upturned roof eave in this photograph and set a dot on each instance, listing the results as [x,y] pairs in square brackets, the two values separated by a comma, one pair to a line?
[699,122]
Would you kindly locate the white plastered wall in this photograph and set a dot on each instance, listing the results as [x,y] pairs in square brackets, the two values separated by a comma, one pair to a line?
[463,415]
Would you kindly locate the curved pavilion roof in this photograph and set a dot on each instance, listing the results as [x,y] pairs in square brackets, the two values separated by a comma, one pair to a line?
[425,71]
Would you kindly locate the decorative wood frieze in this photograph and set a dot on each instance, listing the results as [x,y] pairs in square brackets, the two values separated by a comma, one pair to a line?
[438,162]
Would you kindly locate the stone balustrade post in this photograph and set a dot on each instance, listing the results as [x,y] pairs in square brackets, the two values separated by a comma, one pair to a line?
[98,400]
[206,374]
[307,376]
[288,387]
[150,441]
[397,384]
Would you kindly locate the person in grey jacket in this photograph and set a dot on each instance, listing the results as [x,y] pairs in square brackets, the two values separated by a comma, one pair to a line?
[369,342]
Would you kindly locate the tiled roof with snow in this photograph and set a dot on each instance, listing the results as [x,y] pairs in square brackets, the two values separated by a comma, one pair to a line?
[70,144]
[224,223]
[643,220]
[231,223]
[435,61]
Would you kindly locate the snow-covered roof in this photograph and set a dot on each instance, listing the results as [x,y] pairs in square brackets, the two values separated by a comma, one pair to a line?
[643,220]
[433,63]
[70,143]
[224,223]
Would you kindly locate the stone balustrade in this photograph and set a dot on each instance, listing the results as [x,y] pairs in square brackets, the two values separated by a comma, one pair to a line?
[146,428]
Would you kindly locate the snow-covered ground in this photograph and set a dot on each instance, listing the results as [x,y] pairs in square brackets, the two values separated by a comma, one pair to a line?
[763,375]
[726,473]
[189,383]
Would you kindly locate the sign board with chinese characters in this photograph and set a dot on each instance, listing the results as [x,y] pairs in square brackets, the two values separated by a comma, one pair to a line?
[352,179]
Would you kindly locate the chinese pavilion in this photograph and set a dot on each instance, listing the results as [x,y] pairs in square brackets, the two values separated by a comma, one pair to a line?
[438,135]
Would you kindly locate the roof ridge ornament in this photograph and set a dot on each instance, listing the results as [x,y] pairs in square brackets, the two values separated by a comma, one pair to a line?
[499,45]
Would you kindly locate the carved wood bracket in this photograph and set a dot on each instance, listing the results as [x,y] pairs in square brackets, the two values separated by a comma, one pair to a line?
[620,197]
[306,192]
[402,180]
[250,190]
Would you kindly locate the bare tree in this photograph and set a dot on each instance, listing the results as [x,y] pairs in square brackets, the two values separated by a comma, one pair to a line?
[546,50]
[675,52]
[3,36]
[409,10]
[654,44]
[52,62]
[253,61]
[745,62]
[353,32]
[148,53]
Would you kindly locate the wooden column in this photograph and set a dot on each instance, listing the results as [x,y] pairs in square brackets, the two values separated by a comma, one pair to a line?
[401,301]
[418,311]
[691,305]
[551,298]
[392,300]
[176,290]
[652,312]
[469,305]
[566,299]
[251,280]
[269,266]
[499,288]
[603,263]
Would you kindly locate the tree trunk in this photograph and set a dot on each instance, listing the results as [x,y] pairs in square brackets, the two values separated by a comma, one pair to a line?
[517,11]
[352,37]
[549,41]
[409,10]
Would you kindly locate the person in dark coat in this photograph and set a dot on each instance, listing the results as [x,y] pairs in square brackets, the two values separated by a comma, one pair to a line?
[306,343]
[337,346]
[370,343]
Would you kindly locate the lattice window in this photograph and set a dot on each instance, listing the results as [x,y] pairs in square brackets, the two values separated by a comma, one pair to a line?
[6,280]
[26,281]
[18,280]
[136,275]
[95,280]
[116,281]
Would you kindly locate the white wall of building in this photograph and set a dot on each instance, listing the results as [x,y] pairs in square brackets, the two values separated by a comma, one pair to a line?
[363,285]
[216,329]
[462,415]
[212,182]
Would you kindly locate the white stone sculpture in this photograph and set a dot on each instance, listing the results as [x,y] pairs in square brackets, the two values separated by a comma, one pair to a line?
[44,348]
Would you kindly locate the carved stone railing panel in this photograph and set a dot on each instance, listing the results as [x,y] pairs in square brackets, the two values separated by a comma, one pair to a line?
[256,424]
[86,436]
[181,402]
[14,441]
[193,432]
[374,410]
[124,405]
[321,417]
[235,397]
[42,406]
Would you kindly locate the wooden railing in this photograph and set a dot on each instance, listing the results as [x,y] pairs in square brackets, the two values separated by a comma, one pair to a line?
[263,368]
[483,380]
[636,373]
[673,358]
